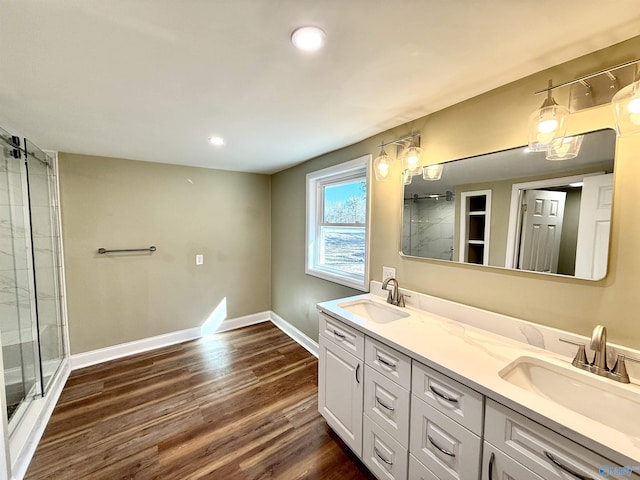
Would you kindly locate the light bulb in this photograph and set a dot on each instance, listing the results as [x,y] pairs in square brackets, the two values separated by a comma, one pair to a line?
[382,165]
[547,126]
[412,160]
[308,39]
[634,106]
[634,111]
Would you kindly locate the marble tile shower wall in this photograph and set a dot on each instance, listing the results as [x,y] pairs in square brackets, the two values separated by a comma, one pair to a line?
[15,286]
[428,228]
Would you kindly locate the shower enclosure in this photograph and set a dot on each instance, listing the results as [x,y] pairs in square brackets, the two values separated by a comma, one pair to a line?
[31,318]
[428,225]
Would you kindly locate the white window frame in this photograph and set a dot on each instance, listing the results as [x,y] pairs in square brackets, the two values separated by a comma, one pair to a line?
[315,182]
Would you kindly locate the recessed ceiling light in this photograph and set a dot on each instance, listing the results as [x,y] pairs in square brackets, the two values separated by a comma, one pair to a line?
[308,39]
[216,140]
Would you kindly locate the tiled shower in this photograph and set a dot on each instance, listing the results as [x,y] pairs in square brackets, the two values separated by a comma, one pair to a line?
[428,229]
[31,319]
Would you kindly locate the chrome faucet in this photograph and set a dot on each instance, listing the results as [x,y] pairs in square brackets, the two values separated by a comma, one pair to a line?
[599,365]
[394,297]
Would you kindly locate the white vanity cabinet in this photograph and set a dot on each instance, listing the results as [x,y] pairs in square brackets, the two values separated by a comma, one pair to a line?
[542,451]
[340,380]
[406,420]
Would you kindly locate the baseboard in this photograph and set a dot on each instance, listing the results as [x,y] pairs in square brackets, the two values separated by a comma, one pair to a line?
[114,352]
[245,321]
[306,342]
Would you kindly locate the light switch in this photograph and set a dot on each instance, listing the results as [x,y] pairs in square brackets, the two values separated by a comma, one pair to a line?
[199,259]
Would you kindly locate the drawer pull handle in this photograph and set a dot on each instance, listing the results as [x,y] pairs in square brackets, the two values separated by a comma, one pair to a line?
[391,409]
[357,370]
[442,395]
[446,452]
[491,462]
[565,468]
[341,336]
[385,362]
[375,450]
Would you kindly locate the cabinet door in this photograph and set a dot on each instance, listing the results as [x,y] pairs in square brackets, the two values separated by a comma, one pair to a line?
[340,393]
[499,466]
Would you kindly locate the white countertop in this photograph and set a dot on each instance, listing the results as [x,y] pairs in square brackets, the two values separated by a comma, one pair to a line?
[474,356]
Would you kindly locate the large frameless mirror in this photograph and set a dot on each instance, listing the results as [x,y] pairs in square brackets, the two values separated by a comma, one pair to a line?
[517,209]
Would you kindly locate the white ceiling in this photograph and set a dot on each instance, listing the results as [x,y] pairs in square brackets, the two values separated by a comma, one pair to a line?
[153,79]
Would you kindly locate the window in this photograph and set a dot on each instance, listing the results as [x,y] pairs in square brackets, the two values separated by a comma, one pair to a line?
[338,223]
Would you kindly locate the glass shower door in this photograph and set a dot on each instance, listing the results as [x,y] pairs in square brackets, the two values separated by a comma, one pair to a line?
[18,327]
[46,268]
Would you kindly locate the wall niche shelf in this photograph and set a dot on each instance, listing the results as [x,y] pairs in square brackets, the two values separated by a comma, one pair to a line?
[475,219]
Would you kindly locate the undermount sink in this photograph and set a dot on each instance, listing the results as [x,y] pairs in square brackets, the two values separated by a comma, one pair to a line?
[583,392]
[373,311]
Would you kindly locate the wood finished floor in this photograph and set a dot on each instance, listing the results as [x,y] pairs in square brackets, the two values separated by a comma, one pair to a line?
[237,405]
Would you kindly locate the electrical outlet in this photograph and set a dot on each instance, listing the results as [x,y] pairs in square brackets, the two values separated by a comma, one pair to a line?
[199,259]
[388,272]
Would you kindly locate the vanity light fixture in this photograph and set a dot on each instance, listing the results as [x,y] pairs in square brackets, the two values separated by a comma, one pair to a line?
[626,108]
[308,39]
[547,124]
[566,148]
[411,157]
[408,149]
[382,165]
[432,172]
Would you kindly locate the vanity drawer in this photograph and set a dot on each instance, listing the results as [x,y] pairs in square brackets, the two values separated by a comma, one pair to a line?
[347,337]
[445,447]
[537,448]
[497,465]
[388,361]
[448,396]
[385,457]
[417,471]
[387,404]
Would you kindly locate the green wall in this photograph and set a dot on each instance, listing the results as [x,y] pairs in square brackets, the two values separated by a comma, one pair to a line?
[183,211]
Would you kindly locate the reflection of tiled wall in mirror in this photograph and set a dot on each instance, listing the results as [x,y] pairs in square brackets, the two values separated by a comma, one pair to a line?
[428,225]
